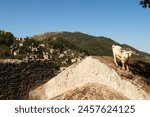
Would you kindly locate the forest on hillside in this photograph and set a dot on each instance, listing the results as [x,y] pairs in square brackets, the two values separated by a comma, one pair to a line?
[78,43]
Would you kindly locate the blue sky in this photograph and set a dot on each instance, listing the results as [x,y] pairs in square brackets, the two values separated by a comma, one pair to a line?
[124,21]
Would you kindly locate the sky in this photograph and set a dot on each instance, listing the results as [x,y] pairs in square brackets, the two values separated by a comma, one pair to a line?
[124,21]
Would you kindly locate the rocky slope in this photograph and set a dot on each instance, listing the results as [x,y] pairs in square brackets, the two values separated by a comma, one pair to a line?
[94,70]
[91,91]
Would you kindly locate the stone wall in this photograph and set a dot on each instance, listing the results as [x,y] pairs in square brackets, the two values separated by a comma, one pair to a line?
[18,78]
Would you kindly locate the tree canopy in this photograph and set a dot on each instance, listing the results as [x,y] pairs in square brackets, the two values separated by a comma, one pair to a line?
[145,3]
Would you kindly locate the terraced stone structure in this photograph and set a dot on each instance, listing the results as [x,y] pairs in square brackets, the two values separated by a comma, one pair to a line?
[17,78]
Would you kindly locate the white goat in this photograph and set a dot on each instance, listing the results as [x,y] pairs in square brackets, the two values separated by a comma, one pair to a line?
[122,55]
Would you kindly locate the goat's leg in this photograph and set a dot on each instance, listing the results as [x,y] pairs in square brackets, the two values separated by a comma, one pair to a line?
[115,61]
[127,67]
[123,65]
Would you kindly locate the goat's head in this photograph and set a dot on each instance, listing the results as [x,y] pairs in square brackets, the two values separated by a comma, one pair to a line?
[131,53]
[113,46]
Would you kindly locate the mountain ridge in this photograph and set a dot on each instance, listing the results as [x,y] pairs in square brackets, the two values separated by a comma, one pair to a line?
[78,41]
[95,45]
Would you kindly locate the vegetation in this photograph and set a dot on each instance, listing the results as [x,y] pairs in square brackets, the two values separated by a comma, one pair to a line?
[145,3]
[6,40]
[92,45]
[78,43]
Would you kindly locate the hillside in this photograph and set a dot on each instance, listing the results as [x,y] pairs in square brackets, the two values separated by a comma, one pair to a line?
[93,45]
[54,45]
[66,53]
[62,52]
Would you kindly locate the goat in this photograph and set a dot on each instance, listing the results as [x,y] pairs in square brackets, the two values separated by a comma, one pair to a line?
[122,55]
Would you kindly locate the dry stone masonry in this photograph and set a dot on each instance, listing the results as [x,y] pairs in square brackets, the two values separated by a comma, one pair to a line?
[17,78]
